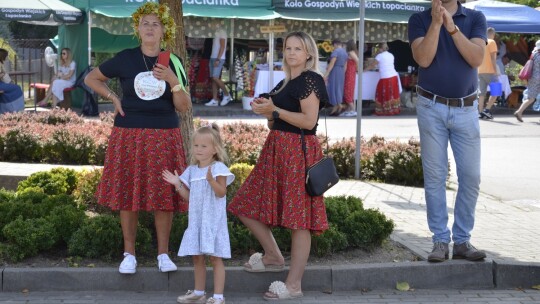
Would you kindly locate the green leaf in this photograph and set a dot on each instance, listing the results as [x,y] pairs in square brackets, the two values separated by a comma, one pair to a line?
[403,286]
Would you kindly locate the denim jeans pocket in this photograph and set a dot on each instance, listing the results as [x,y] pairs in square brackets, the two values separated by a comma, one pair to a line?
[424,102]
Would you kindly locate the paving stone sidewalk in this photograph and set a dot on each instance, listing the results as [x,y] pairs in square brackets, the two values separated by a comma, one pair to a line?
[351,297]
[508,231]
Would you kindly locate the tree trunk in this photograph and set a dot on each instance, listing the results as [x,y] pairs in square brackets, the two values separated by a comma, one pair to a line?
[179,48]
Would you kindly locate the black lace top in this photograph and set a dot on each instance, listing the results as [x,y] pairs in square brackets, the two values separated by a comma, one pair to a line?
[298,89]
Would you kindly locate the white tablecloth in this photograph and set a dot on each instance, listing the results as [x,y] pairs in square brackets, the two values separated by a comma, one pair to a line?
[261,85]
[369,83]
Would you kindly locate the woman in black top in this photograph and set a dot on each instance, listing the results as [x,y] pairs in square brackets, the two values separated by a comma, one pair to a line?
[274,194]
[146,137]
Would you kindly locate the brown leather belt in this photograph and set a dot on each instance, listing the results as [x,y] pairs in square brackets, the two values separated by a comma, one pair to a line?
[451,102]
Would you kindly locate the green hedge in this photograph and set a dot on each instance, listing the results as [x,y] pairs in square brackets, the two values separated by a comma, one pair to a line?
[65,138]
[32,221]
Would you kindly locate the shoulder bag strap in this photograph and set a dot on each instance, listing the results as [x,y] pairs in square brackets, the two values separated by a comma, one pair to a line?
[326,138]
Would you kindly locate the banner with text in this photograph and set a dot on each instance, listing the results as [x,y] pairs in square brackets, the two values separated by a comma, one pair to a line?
[395,11]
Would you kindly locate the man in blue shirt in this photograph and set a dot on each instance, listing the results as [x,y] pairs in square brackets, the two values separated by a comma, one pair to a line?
[448,43]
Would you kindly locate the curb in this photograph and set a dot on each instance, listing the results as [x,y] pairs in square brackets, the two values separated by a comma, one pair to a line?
[377,276]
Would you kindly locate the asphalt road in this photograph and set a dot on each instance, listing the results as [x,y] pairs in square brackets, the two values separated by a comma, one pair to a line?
[510,150]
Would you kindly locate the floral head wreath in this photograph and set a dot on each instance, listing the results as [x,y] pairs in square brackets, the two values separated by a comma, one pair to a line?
[163,13]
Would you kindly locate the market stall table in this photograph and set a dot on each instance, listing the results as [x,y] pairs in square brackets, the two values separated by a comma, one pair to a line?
[369,83]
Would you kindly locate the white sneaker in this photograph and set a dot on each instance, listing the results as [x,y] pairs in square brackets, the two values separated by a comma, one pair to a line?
[128,265]
[165,264]
[190,297]
[212,103]
[225,100]
[215,301]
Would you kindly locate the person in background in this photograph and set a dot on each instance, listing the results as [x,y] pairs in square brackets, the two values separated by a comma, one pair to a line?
[204,185]
[350,79]
[145,138]
[387,98]
[217,59]
[11,98]
[448,43]
[335,76]
[274,194]
[532,93]
[64,78]
[488,73]
[501,53]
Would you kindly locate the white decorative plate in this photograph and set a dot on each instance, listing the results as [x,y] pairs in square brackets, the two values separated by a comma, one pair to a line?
[148,87]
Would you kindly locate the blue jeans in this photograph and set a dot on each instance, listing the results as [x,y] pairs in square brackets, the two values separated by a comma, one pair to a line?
[438,125]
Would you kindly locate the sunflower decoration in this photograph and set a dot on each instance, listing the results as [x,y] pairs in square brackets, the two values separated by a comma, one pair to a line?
[163,13]
[325,48]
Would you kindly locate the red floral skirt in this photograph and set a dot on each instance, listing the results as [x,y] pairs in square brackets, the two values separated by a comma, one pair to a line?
[134,161]
[350,82]
[275,192]
[387,101]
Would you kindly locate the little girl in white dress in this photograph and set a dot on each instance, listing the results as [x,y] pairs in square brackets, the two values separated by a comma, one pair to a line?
[204,184]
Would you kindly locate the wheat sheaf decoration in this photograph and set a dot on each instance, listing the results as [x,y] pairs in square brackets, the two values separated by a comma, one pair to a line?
[163,13]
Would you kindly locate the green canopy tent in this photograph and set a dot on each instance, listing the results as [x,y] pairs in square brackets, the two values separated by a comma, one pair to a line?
[107,27]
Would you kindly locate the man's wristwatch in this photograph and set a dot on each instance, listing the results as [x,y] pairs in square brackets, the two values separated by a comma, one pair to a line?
[456,29]
[275,113]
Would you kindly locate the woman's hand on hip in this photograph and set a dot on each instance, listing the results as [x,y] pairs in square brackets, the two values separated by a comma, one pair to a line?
[117,105]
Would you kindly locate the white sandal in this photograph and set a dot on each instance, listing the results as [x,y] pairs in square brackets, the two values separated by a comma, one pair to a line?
[255,264]
[279,289]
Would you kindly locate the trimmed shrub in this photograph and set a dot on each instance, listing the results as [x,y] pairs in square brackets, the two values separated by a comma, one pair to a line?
[338,208]
[98,237]
[242,241]
[101,237]
[179,226]
[367,228]
[52,182]
[6,195]
[22,146]
[85,190]
[28,237]
[332,240]
[243,142]
[66,219]
[241,172]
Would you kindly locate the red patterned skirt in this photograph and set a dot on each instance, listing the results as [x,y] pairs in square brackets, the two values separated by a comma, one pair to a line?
[134,161]
[275,192]
[387,101]
[350,82]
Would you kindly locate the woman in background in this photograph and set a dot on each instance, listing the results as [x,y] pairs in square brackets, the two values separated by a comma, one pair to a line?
[532,93]
[350,79]
[387,101]
[11,98]
[65,78]
[335,76]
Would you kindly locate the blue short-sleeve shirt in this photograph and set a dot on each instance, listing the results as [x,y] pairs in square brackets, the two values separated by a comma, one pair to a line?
[449,75]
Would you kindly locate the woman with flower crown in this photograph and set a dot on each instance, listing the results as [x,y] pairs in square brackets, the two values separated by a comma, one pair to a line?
[146,138]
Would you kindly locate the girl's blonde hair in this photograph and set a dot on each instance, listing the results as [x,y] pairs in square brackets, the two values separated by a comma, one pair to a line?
[312,63]
[213,131]
[69,57]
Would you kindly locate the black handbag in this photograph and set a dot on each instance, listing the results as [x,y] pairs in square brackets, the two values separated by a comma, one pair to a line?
[320,176]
